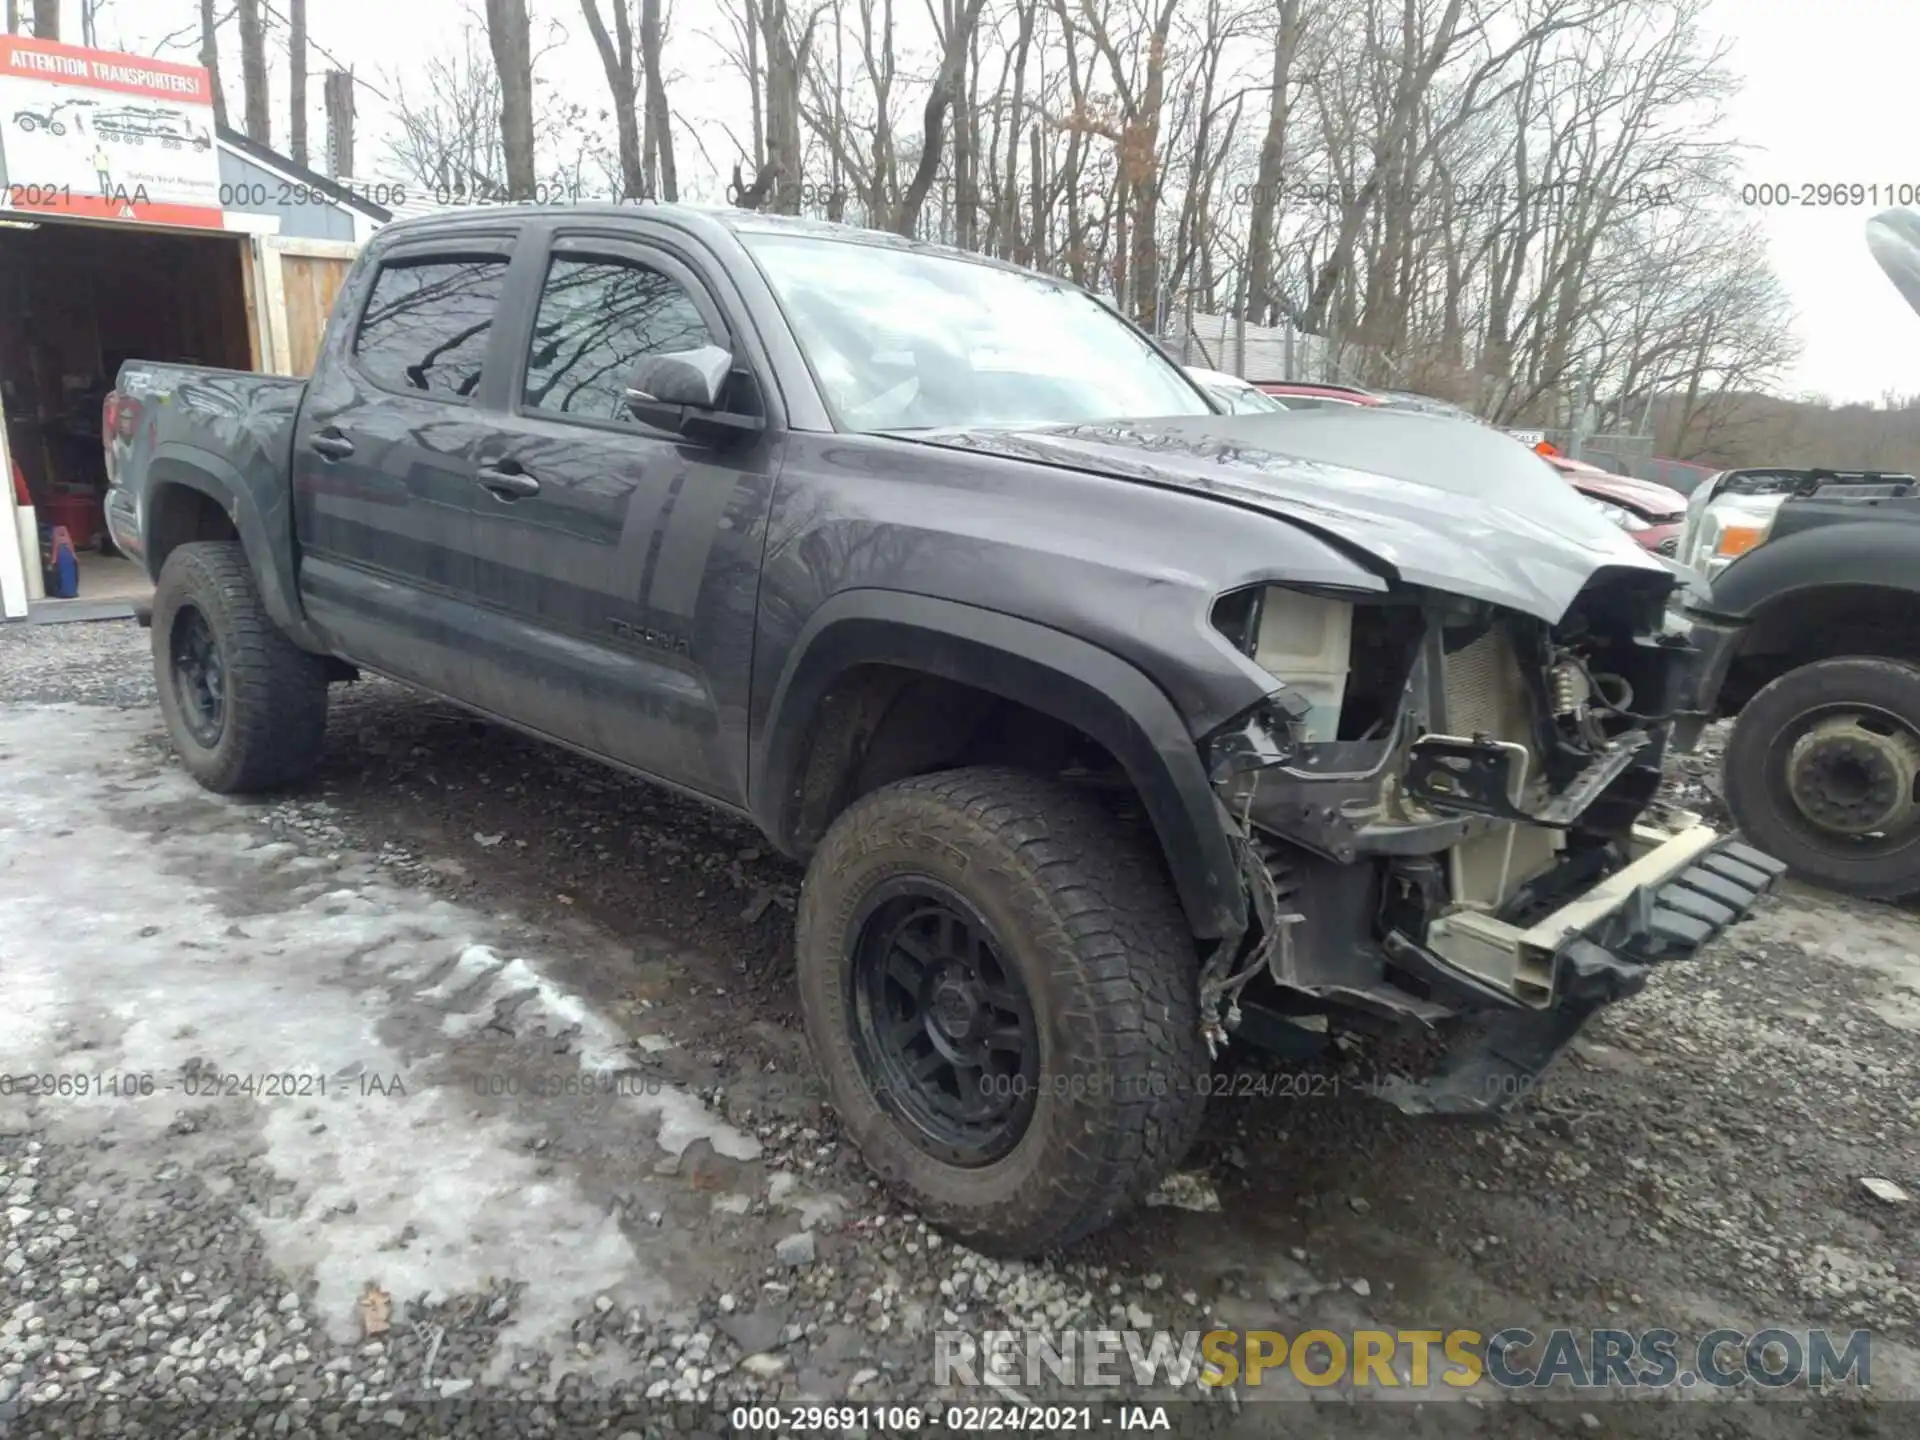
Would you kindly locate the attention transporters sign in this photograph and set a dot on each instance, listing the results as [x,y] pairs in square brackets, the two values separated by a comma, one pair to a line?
[104,136]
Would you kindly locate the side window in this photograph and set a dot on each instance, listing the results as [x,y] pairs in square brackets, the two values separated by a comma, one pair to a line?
[426,323]
[596,319]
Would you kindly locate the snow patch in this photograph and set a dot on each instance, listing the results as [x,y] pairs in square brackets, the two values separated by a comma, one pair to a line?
[115,955]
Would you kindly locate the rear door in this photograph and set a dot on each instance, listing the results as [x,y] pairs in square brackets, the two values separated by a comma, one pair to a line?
[386,454]
[621,563]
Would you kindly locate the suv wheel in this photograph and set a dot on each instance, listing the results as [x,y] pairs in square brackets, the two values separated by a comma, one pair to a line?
[1823,771]
[245,707]
[1002,993]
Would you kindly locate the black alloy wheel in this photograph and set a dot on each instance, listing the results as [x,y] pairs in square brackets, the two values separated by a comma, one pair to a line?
[199,676]
[943,1029]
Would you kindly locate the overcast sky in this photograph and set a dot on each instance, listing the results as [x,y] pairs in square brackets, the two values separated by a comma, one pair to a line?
[1828,97]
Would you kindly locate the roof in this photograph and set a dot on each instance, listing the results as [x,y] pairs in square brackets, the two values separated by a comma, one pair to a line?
[292,169]
[696,218]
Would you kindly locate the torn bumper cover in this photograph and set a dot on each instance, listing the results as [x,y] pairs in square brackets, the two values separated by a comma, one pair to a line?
[1595,950]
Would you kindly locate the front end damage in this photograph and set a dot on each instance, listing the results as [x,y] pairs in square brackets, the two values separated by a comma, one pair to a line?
[1446,819]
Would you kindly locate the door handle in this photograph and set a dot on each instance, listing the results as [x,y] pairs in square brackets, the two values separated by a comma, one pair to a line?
[508,484]
[332,444]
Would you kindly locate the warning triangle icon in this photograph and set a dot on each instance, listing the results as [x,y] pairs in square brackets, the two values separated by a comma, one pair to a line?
[126,211]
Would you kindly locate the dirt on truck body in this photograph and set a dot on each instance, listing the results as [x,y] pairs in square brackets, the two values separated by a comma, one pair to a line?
[1106,740]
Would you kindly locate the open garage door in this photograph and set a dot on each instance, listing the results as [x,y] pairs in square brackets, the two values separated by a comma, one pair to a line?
[78,298]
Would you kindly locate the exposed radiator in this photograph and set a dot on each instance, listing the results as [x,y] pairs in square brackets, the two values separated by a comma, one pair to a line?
[1485,692]
[1487,695]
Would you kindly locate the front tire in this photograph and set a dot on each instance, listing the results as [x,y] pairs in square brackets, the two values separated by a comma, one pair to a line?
[1002,993]
[1823,771]
[245,707]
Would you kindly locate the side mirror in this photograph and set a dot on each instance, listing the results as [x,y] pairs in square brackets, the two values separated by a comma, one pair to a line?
[681,391]
[1894,238]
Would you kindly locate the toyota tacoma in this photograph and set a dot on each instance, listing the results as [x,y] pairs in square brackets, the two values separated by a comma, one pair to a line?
[1111,729]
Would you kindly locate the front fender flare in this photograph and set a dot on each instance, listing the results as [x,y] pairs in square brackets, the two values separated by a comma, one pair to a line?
[1856,553]
[267,540]
[1044,669]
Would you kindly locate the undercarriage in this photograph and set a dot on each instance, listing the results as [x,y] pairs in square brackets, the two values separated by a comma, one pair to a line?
[1446,820]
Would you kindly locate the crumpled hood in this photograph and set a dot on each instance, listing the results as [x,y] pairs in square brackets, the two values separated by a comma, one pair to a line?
[1444,503]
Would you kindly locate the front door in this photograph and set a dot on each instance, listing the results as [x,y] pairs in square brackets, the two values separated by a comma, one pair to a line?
[622,563]
[384,463]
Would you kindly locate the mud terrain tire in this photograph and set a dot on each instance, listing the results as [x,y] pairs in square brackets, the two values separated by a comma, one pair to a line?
[264,728]
[1077,908]
[1886,693]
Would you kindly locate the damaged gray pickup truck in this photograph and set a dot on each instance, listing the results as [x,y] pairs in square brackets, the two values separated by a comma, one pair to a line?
[1107,741]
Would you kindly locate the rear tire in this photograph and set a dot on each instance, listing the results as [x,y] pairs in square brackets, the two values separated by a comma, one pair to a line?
[245,707]
[1760,766]
[1082,924]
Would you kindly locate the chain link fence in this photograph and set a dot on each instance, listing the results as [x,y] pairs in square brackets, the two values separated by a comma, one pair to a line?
[1253,352]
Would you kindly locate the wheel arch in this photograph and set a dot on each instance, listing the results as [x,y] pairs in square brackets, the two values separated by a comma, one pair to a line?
[189,493]
[1876,554]
[1866,616]
[1092,692]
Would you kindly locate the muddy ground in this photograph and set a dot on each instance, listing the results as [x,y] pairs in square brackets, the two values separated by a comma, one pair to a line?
[317,1142]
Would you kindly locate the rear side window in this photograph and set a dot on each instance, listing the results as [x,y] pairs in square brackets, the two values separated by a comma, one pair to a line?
[597,319]
[425,326]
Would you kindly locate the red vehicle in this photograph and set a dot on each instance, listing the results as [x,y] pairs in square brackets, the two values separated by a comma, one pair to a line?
[1652,514]
[1303,395]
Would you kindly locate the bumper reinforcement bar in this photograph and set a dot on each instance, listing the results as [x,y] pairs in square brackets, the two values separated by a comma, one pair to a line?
[1502,1059]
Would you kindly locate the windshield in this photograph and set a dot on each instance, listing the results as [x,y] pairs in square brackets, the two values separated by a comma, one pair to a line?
[905,341]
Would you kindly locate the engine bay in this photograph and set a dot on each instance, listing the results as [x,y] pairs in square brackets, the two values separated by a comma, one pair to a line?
[1437,778]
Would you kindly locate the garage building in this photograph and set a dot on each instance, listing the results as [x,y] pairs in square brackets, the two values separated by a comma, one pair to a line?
[133,226]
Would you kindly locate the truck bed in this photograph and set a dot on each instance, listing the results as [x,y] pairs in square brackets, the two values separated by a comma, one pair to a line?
[243,419]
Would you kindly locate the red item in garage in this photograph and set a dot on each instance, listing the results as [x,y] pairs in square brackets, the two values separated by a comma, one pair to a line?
[83,516]
[21,495]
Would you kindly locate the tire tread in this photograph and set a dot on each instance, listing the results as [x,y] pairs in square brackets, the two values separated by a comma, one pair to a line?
[1134,973]
[276,692]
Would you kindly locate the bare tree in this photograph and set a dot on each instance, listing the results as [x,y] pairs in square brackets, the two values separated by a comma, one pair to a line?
[956,36]
[658,159]
[210,59]
[617,60]
[1475,197]
[447,134]
[337,90]
[297,80]
[510,36]
[253,72]
[778,48]
[1263,213]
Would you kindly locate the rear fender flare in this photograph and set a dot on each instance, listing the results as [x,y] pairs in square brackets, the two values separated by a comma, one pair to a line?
[1046,670]
[268,546]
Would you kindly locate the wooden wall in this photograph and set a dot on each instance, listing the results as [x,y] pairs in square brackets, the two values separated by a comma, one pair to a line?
[312,282]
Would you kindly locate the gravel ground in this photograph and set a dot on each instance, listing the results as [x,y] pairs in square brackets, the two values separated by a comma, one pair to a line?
[453,925]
